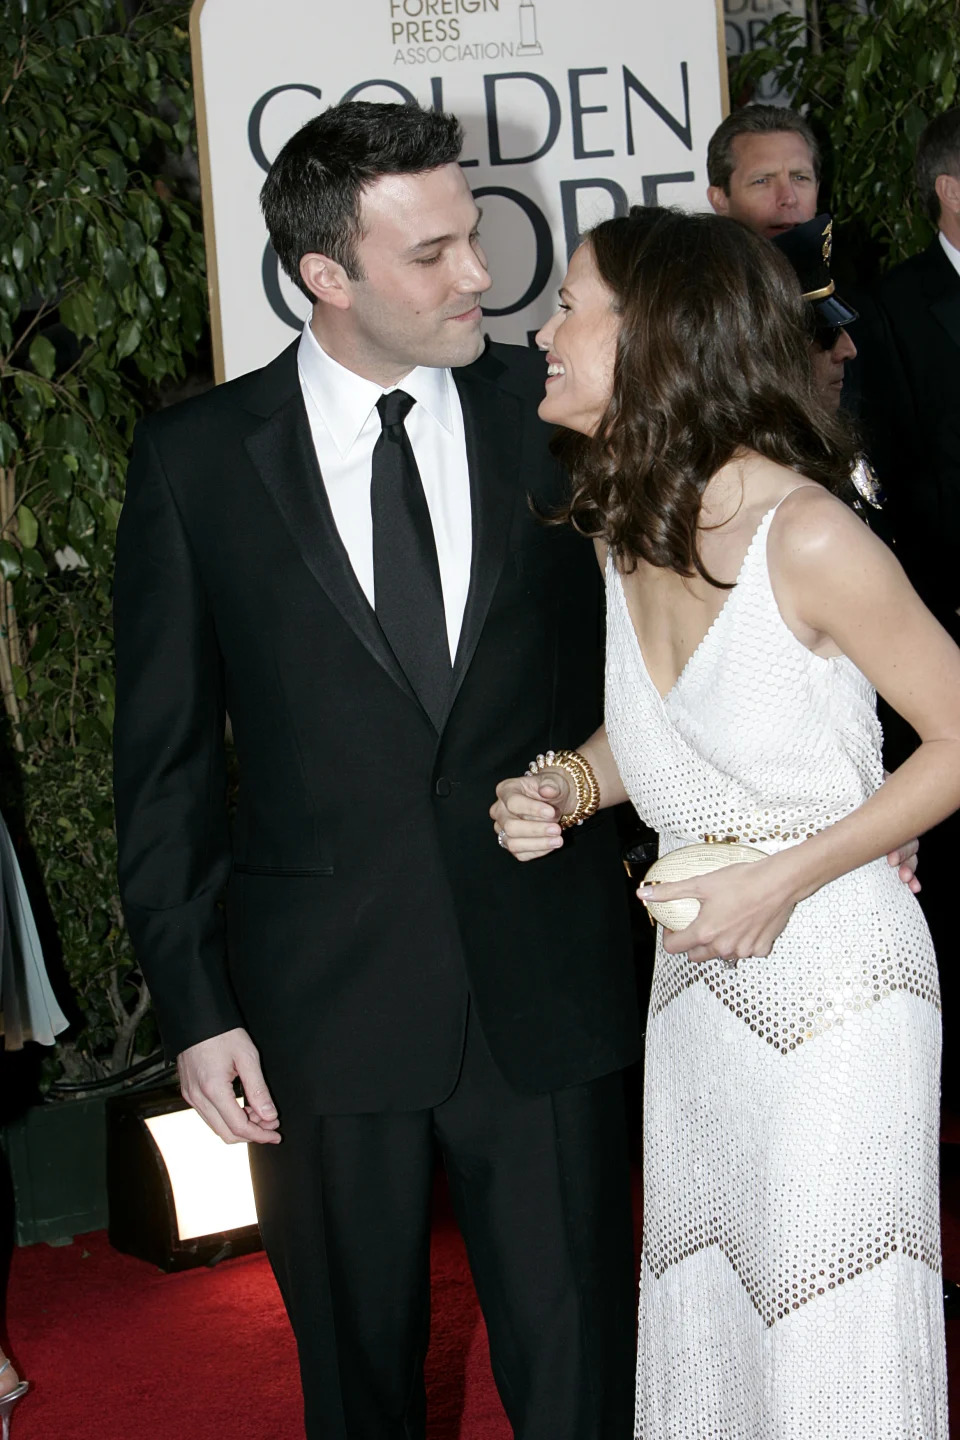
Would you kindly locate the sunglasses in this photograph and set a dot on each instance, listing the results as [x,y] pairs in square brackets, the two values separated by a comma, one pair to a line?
[826,336]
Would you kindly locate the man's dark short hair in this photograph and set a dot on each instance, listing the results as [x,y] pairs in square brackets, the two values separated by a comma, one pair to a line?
[312,195]
[938,153]
[754,120]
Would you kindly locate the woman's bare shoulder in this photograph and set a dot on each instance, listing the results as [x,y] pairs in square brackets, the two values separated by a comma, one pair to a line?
[813,527]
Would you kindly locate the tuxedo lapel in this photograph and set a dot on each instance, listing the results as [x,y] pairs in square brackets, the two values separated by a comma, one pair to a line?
[283,454]
[943,292]
[947,312]
[492,426]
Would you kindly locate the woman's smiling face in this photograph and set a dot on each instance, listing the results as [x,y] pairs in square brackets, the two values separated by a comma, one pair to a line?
[581,344]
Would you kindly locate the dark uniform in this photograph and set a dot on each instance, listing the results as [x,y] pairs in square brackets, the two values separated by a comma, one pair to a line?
[809,249]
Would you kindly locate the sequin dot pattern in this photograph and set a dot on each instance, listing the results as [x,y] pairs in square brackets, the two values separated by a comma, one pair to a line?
[790,1277]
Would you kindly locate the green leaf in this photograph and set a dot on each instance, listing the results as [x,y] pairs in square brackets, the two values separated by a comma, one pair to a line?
[46,635]
[155,279]
[62,230]
[113,166]
[60,480]
[120,135]
[117,272]
[8,443]
[914,124]
[83,143]
[104,309]
[149,214]
[128,339]
[77,313]
[872,55]
[9,560]
[43,357]
[21,251]
[80,521]
[96,400]
[27,527]
[33,564]
[133,242]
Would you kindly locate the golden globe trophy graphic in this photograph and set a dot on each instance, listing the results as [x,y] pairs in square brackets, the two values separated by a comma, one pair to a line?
[529,44]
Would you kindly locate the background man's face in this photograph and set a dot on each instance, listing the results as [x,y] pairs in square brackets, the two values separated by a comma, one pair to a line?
[424,273]
[773,185]
[828,367]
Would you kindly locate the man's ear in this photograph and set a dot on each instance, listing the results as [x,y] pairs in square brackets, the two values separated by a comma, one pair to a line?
[719,199]
[948,193]
[326,280]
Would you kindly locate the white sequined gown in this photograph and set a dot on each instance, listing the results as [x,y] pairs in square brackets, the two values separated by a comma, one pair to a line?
[790,1282]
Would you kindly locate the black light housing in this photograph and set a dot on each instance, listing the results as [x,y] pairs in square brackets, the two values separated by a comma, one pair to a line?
[177,1195]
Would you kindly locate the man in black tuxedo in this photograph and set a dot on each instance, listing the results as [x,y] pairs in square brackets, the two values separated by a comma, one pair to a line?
[920,304]
[339,551]
[915,381]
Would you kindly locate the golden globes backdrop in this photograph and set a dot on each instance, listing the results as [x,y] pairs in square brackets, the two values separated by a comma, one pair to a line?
[745,22]
[573,110]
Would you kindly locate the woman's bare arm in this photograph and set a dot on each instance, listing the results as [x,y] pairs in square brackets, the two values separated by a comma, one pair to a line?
[528,808]
[844,584]
[843,592]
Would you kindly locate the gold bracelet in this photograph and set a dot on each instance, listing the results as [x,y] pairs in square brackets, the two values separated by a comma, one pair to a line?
[584,781]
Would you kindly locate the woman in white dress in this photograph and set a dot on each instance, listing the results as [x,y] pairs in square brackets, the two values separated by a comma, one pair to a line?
[790,1280]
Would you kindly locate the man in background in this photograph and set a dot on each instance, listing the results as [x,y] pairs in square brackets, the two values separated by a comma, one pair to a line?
[918,386]
[763,164]
[920,305]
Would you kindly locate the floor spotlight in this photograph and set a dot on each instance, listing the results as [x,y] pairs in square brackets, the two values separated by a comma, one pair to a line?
[177,1195]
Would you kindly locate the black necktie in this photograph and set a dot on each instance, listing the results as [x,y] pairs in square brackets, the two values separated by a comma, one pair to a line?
[406,574]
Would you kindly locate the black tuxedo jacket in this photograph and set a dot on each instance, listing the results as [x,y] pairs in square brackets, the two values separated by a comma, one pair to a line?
[360,897]
[920,391]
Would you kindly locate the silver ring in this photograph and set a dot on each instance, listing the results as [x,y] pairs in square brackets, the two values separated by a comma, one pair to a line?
[502,839]
[730,964]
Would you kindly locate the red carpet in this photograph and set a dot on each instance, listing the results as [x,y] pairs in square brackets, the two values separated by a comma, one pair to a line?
[118,1351]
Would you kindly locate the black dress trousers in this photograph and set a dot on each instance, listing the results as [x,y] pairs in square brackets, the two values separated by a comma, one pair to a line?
[540,1188]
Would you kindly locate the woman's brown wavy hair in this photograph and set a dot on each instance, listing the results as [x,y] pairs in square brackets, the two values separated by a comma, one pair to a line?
[713,358]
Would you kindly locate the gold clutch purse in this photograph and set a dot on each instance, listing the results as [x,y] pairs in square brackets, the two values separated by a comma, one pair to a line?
[684,864]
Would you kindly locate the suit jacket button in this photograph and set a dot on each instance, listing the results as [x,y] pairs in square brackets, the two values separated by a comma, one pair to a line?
[443,787]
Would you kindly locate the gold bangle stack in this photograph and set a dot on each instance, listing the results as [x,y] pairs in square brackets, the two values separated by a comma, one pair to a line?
[581,773]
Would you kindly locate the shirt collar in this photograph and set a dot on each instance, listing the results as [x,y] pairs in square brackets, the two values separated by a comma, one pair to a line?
[345,400]
[951,252]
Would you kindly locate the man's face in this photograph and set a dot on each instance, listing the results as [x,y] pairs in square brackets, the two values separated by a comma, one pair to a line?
[424,273]
[773,185]
[828,365]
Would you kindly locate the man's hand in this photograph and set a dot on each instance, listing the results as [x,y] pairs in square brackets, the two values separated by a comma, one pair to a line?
[207,1072]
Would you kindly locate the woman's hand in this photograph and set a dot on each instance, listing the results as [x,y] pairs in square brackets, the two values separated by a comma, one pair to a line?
[904,861]
[527,813]
[743,908]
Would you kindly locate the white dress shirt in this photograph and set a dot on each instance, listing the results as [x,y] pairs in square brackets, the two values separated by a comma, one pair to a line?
[951,252]
[345,425]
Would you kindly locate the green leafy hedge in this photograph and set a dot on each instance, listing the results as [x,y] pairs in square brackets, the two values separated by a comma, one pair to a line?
[102,302]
